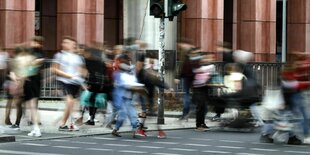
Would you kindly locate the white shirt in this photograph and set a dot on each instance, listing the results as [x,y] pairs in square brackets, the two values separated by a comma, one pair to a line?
[69,63]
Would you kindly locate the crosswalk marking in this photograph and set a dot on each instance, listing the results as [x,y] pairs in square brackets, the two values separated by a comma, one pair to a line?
[231,141]
[248,154]
[89,143]
[173,143]
[181,149]
[116,145]
[129,151]
[201,139]
[165,154]
[230,147]
[67,147]
[196,145]
[98,149]
[150,147]
[297,152]
[218,152]
[26,153]
[261,149]
[105,138]
[131,140]
[33,144]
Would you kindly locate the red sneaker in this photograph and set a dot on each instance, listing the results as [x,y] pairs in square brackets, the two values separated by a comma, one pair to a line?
[140,132]
[161,134]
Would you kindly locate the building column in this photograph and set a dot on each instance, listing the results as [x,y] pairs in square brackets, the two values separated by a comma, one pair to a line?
[16,22]
[255,28]
[202,23]
[81,19]
[298,26]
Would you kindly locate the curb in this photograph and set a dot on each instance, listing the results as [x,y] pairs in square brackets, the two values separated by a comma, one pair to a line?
[7,138]
[95,134]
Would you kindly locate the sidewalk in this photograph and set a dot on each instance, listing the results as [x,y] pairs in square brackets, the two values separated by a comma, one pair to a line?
[51,111]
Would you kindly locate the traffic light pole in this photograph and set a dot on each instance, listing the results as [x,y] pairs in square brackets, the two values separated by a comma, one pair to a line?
[161,57]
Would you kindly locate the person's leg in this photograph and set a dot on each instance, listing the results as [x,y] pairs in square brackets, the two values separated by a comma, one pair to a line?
[186,100]
[301,109]
[19,111]
[34,117]
[198,99]
[68,109]
[8,109]
[120,120]
[255,114]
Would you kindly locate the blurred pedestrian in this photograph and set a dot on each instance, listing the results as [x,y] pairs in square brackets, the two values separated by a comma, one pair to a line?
[201,88]
[186,76]
[97,89]
[125,85]
[69,68]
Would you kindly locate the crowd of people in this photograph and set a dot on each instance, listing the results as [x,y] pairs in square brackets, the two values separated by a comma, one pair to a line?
[96,77]
[91,76]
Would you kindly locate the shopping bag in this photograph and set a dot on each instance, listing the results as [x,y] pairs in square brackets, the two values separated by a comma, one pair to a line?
[85,97]
[100,100]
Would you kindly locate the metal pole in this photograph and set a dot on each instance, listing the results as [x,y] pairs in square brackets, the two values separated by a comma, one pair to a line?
[284,32]
[161,57]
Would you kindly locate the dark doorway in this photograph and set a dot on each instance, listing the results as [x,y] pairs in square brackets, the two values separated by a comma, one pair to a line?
[113,22]
[228,20]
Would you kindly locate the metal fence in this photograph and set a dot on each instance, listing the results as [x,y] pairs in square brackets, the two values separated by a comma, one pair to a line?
[267,75]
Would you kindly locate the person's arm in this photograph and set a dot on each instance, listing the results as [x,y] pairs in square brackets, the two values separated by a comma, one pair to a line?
[56,69]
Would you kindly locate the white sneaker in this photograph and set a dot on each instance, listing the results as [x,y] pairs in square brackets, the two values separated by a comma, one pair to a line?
[307,140]
[35,133]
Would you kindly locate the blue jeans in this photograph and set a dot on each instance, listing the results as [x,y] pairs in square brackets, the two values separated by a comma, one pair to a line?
[186,98]
[127,110]
[299,108]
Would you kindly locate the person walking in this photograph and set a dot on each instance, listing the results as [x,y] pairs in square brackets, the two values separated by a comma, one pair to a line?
[69,68]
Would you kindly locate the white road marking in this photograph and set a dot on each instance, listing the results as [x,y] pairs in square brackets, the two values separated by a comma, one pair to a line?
[166,154]
[260,149]
[129,151]
[26,153]
[67,147]
[89,143]
[131,140]
[298,152]
[218,152]
[201,139]
[150,147]
[173,143]
[256,143]
[180,149]
[176,137]
[59,140]
[105,138]
[116,145]
[196,145]
[231,141]
[301,146]
[230,147]
[248,154]
[33,144]
[98,149]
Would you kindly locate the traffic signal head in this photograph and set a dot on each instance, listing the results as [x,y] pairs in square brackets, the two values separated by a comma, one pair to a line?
[157,8]
[175,7]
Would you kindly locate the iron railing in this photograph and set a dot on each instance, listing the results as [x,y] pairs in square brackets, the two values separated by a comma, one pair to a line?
[267,75]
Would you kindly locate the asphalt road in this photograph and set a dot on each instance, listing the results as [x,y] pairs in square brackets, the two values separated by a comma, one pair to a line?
[178,142]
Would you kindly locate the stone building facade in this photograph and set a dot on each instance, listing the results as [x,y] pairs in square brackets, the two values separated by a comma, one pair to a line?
[251,25]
